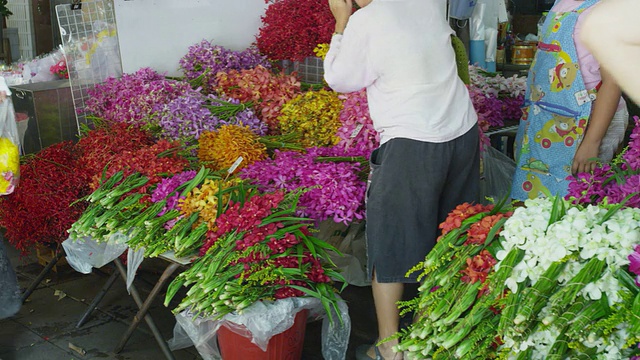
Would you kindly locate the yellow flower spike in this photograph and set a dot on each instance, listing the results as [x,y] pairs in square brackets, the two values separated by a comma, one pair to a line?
[223,147]
[313,115]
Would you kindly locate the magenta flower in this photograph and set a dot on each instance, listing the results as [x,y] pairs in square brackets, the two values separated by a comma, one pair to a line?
[634,263]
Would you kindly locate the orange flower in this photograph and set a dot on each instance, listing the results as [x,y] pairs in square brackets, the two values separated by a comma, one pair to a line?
[478,232]
[478,268]
[459,214]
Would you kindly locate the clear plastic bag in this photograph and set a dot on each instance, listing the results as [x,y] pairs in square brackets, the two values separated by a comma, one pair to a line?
[85,254]
[263,320]
[497,175]
[9,146]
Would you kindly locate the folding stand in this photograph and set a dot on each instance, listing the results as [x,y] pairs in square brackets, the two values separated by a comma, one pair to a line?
[34,284]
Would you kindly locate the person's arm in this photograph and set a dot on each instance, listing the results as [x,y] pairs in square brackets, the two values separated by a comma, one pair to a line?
[612,33]
[346,65]
[604,108]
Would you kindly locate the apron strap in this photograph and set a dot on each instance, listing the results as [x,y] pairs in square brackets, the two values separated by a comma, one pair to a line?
[587,4]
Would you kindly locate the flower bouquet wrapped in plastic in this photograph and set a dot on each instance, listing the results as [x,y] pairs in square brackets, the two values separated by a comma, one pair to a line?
[9,149]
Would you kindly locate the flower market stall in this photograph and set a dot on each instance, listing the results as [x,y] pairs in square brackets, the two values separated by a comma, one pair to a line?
[229,173]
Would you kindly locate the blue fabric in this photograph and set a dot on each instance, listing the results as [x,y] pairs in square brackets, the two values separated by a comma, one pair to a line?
[10,300]
[556,112]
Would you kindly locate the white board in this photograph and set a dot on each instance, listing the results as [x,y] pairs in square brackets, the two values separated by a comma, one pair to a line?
[157,33]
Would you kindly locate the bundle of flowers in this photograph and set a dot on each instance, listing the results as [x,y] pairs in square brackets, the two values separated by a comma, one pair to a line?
[260,251]
[291,29]
[204,60]
[98,147]
[133,97]
[187,116]
[612,183]
[266,90]
[357,129]
[333,189]
[221,149]
[181,210]
[9,165]
[44,206]
[151,161]
[496,84]
[551,281]
[314,115]
[60,69]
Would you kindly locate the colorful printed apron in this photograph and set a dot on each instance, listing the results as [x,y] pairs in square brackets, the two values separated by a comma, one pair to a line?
[556,112]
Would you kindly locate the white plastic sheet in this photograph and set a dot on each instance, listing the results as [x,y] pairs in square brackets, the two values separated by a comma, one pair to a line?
[134,259]
[263,320]
[85,253]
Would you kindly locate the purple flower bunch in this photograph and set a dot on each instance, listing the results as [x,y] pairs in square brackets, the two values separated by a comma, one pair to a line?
[611,183]
[488,107]
[133,97]
[166,189]
[204,60]
[634,263]
[357,130]
[334,189]
[189,115]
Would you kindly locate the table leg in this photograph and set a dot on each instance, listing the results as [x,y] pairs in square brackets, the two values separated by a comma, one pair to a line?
[34,284]
[98,298]
[145,306]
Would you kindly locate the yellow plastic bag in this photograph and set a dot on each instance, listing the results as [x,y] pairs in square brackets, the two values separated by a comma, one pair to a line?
[9,149]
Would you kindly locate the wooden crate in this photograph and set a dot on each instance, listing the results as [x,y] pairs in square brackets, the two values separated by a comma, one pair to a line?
[45,254]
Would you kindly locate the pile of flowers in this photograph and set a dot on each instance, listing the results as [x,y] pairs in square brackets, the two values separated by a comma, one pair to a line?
[204,60]
[266,90]
[44,206]
[356,131]
[549,281]
[291,29]
[222,148]
[133,97]
[334,189]
[189,115]
[314,116]
[615,183]
[98,147]
[259,251]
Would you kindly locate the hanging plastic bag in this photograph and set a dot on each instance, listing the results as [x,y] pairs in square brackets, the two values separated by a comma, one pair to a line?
[9,144]
[461,9]
[497,175]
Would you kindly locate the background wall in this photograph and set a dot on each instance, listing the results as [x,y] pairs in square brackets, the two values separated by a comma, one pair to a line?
[157,33]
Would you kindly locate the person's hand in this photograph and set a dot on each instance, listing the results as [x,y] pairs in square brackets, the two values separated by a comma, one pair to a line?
[585,159]
[3,96]
[341,10]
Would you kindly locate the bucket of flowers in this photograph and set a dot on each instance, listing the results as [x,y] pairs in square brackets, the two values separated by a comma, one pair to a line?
[260,271]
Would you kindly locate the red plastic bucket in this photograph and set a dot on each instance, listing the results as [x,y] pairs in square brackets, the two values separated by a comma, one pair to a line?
[284,346]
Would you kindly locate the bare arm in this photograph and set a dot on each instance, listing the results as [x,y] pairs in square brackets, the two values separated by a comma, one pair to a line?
[604,108]
[612,33]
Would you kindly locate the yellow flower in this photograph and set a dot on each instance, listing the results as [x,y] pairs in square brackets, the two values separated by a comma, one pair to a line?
[223,147]
[321,50]
[314,116]
[205,200]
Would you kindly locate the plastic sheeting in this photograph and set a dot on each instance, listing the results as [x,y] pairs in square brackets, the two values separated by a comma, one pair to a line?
[263,320]
[85,253]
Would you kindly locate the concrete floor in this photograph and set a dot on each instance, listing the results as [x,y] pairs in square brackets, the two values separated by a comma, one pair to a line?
[45,327]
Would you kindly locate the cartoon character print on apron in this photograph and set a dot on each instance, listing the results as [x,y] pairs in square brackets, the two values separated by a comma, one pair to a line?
[556,112]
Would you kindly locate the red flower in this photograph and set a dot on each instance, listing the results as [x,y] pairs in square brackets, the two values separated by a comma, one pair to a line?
[291,29]
[478,267]
[478,232]
[459,214]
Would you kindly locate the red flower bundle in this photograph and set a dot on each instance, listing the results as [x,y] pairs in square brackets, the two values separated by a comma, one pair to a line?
[41,210]
[291,29]
[267,91]
[101,145]
[148,160]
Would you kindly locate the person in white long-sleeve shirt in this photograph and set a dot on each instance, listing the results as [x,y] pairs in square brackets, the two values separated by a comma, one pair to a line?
[428,160]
